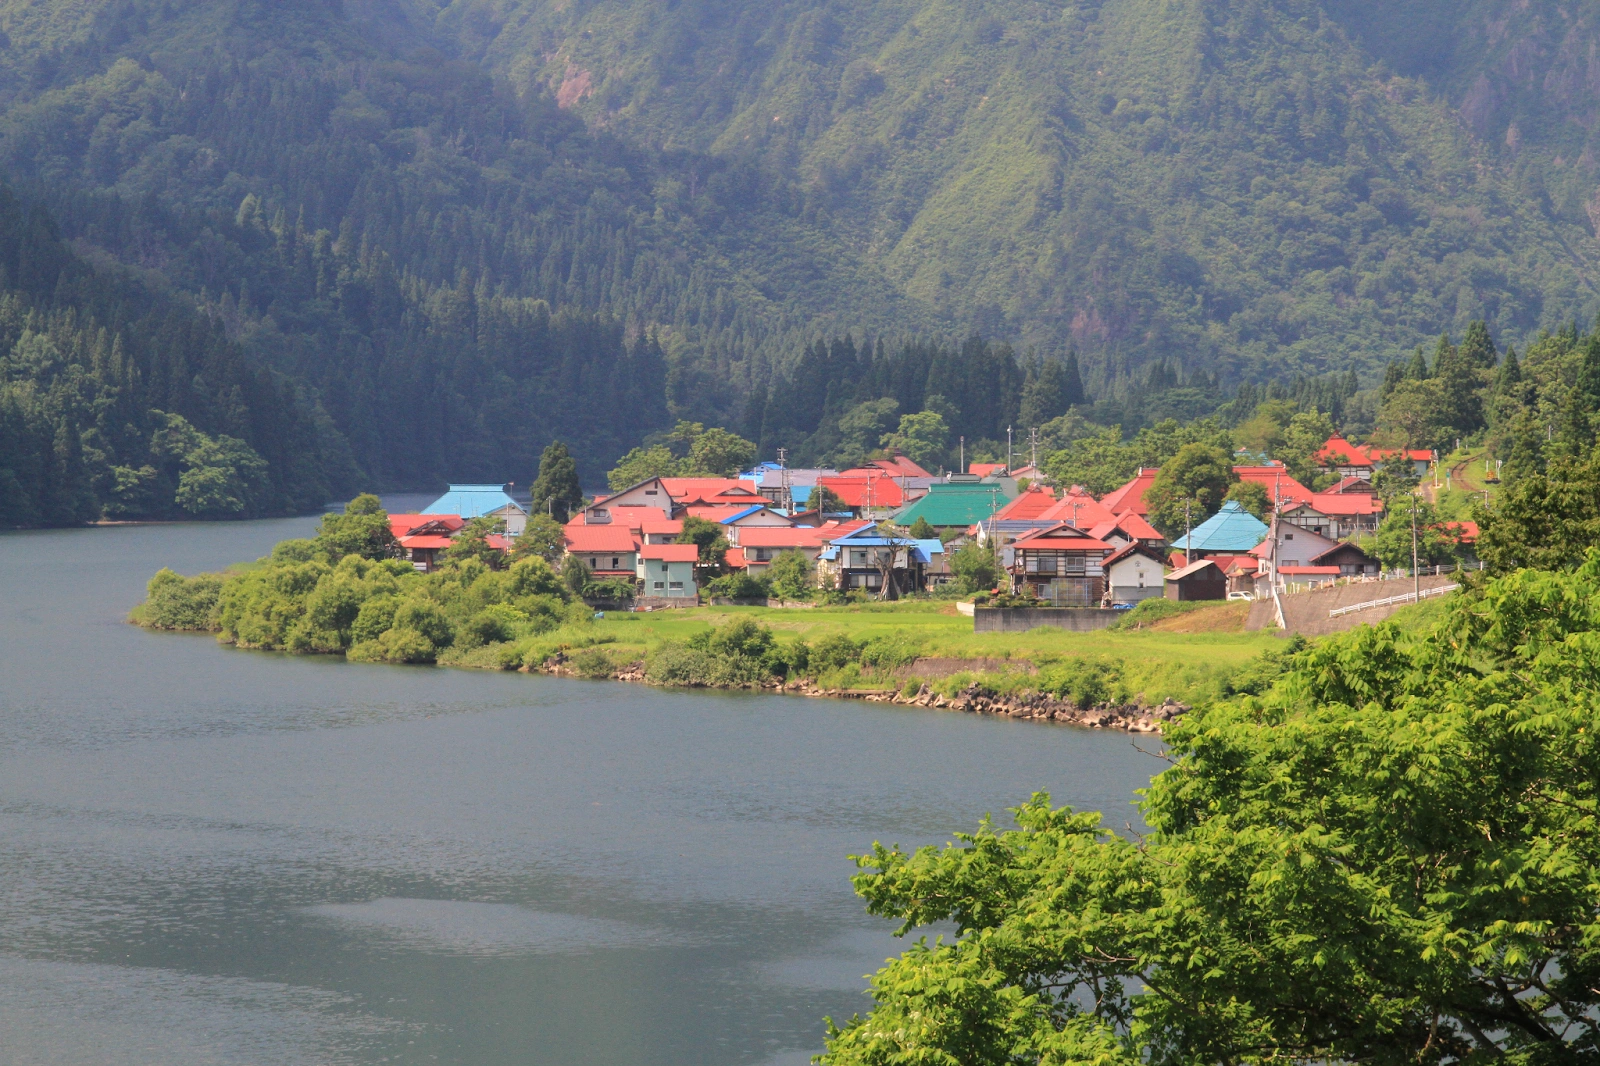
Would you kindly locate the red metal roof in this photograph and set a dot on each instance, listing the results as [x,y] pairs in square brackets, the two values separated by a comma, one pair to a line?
[1130,497]
[1336,451]
[1344,503]
[900,466]
[710,489]
[1352,484]
[671,553]
[798,536]
[1080,509]
[1308,571]
[1466,532]
[735,559]
[658,526]
[1420,455]
[1276,480]
[401,524]
[870,488]
[1027,505]
[985,469]
[1062,537]
[425,540]
[599,539]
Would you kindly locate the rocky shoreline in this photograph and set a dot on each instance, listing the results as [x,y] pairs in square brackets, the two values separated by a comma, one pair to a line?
[974,699]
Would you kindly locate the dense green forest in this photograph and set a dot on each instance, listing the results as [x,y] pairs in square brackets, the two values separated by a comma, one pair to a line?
[466,229]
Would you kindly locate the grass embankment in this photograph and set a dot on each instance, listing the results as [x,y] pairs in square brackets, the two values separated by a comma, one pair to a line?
[1189,656]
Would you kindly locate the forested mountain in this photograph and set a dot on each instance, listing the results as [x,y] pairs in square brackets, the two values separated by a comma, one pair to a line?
[466,228]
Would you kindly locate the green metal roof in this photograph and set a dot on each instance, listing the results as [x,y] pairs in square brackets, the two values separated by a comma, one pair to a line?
[959,503]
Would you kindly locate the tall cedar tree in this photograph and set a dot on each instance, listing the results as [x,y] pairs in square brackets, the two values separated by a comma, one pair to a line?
[556,491]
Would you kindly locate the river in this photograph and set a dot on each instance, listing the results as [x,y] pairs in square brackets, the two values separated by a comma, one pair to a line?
[210,856]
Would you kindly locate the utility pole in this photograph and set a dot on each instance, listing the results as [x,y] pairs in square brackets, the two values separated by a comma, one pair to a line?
[1188,533]
[1416,576]
[1033,438]
[963,455]
[785,491]
[1008,449]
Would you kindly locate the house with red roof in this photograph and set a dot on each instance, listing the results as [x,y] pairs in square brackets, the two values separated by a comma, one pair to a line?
[423,536]
[901,467]
[1062,566]
[1419,458]
[1350,460]
[1129,528]
[1079,509]
[609,551]
[1275,478]
[867,491]
[1337,515]
[986,469]
[666,575]
[1027,505]
[1130,497]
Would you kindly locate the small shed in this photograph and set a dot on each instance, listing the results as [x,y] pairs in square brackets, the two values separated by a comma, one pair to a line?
[1203,580]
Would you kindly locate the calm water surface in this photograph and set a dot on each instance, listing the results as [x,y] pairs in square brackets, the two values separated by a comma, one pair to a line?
[212,856]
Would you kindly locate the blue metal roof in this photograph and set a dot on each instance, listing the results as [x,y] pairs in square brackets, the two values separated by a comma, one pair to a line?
[1232,529]
[922,551]
[741,514]
[471,501]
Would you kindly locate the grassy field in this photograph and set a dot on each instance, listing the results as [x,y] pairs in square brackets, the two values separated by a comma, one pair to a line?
[1187,657]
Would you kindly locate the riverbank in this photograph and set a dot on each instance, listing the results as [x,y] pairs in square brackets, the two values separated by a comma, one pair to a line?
[974,697]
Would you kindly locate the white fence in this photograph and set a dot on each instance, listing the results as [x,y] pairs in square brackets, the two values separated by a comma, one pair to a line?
[1409,597]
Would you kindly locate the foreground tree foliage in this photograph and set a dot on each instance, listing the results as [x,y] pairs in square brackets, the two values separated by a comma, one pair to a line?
[1392,855]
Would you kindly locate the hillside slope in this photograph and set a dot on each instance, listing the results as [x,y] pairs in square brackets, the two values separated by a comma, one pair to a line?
[393,200]
[1233,182]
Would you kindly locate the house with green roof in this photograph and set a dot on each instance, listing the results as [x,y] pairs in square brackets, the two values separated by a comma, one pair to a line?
[956,504]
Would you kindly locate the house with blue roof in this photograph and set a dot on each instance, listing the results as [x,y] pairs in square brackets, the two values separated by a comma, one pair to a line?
[868,561]
[1231,531]
[480,501]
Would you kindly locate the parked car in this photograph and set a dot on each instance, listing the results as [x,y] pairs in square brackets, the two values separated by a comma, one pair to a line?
[1240,596]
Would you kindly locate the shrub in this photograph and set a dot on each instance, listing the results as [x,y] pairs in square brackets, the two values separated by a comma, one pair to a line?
[833,651]
[494,624]
[888,653]
[593,663]
[425,619]
[402,645]
[173,601]
[739,586]
[375,616]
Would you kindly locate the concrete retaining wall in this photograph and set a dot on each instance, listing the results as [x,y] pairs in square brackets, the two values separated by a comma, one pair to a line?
[1022,619]
[1307,612]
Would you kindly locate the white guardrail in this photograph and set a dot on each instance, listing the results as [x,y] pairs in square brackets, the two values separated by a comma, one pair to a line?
[1409,597]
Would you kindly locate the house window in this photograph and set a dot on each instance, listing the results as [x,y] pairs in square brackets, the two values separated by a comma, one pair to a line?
[651,492]
[663,568]
[660,585]
[675,586]
[601,512]
[594,564]
[613,562]
[1074,564]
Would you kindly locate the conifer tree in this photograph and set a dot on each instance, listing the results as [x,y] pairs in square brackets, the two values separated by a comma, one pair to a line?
[1418,370]
[1477,349]
[556,491]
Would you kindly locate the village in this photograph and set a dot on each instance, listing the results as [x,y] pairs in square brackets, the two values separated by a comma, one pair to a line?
[890,529]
